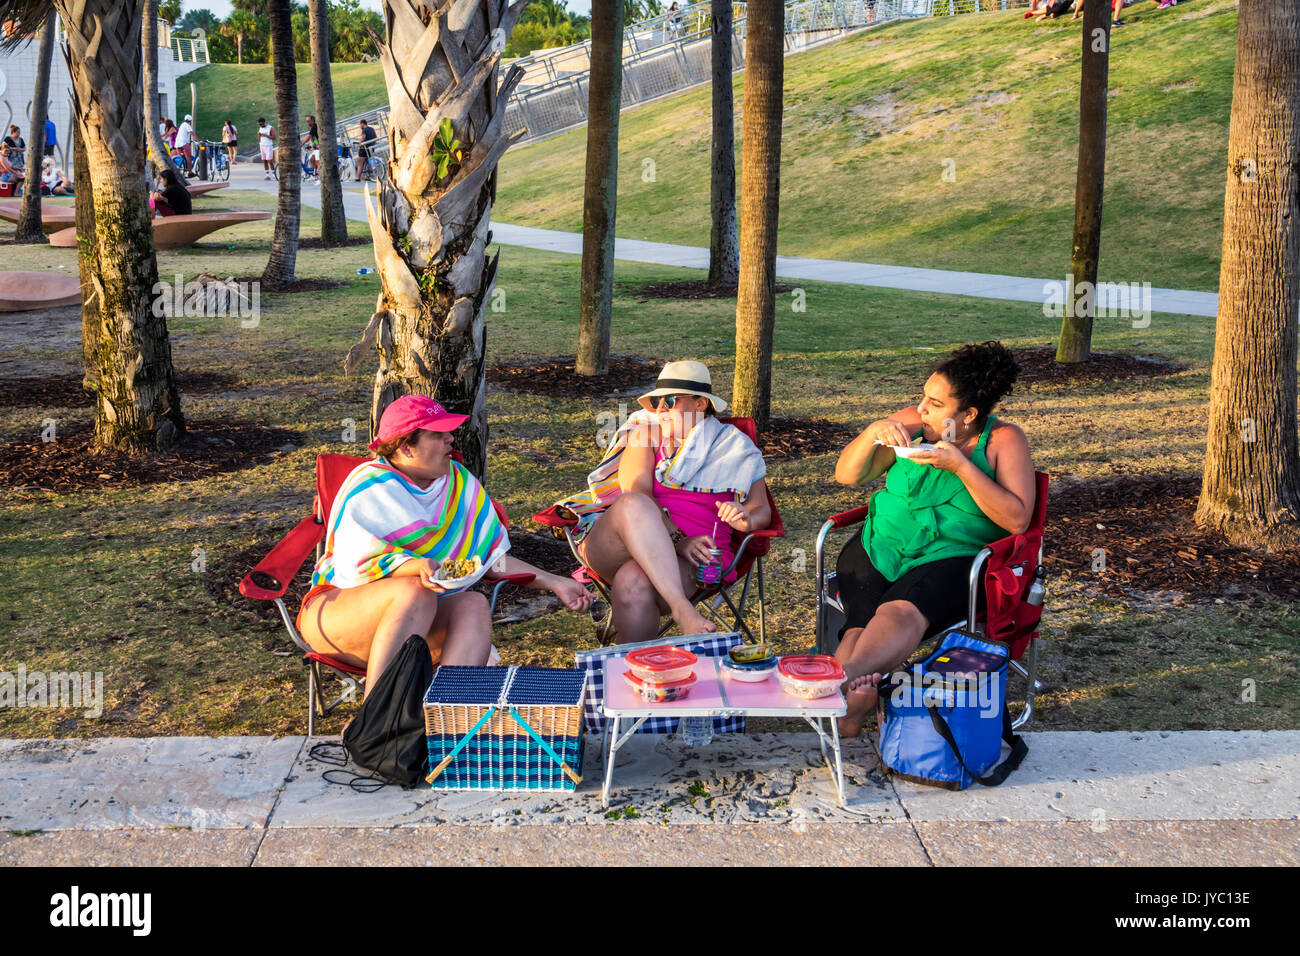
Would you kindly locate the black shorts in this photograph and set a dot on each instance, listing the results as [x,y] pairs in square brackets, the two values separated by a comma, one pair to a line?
[940,590]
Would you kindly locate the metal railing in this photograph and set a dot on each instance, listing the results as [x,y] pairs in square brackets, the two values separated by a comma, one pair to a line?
[190,49]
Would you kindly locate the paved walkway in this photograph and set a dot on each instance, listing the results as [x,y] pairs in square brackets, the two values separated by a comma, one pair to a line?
[976,284]
[1179,799]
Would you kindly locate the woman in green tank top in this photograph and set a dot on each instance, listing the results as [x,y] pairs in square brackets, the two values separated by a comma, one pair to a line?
[969,483]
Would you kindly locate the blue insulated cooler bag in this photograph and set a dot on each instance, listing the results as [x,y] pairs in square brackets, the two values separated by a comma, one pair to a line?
[943,721]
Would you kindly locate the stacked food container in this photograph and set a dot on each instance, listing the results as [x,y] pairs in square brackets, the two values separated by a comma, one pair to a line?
[661,674]
[750,663]
[810,675]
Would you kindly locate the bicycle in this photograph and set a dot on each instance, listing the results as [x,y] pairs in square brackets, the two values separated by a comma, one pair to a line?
[218,163]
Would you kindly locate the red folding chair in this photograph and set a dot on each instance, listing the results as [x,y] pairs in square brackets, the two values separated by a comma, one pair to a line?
[270,579]
[1005,569]
[749,549]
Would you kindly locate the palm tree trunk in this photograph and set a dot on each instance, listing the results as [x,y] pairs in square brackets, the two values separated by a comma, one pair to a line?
[333,221]
[149,39]
[430,232]
[29,219]
[600,195]
[760,161]
[1251,485]
[1081,306]
[288,207]
[724,246]
[87,261]
[137,406]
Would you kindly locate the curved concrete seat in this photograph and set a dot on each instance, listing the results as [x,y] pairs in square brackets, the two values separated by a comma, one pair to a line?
[23,291]
[202,189]
[53,218]
[177,232]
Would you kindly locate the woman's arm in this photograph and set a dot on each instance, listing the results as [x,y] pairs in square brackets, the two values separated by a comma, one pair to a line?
[636,467]
[863,461]
[754,514]
[1007,499]
[569,591]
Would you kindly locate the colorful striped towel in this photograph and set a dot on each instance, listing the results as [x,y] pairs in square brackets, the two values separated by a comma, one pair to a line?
[381,520]
[715,458]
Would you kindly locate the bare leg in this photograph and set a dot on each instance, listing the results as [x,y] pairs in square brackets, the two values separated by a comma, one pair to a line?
[637,606]
[632,529]
[463,626]
[892,633]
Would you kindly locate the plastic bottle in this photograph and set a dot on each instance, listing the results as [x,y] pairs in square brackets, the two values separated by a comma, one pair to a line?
[697,731]
[1037,590]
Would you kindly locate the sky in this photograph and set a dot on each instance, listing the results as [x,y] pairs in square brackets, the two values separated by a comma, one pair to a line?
[222,7]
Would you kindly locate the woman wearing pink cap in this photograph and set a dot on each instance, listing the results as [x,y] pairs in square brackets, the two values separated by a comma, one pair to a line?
[395,520]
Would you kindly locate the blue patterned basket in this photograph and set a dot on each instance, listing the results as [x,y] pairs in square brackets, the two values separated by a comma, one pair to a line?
[505,728]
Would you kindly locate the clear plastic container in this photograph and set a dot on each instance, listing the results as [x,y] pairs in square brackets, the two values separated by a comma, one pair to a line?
[749,673]
[662,665]
[659,693]
[810,676]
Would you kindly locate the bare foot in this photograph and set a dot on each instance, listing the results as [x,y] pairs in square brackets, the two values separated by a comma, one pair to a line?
[860,695]
[692,621]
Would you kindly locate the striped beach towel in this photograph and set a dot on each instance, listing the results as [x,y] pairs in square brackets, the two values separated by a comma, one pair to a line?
[381,520]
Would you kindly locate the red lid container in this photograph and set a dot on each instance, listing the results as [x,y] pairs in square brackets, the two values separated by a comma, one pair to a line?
[658,692]
[811,667]
[656,660]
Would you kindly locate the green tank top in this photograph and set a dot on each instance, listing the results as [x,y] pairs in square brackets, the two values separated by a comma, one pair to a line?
[925,514]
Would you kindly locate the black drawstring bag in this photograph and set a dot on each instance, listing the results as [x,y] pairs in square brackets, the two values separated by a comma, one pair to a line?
[387,737]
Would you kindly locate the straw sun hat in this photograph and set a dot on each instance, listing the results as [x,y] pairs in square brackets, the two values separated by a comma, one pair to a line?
[691,378]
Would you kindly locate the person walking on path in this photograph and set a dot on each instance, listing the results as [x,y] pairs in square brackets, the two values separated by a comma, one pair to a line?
[185,142]
[230,139]
[51,137]
[266,145]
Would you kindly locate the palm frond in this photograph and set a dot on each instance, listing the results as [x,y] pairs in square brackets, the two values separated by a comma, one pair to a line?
[23,19]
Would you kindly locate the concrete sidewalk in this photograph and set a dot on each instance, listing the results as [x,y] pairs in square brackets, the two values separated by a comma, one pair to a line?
[975,284]
[1184,798]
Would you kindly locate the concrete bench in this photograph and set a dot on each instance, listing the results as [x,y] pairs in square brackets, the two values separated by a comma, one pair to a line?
[24,291]
[53,218]
[177,232]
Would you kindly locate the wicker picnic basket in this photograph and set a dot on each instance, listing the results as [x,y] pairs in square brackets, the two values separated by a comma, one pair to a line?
[505,728]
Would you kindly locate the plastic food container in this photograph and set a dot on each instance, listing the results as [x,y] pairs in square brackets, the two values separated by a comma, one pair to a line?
[658,693]
[750,653]
[810,675]
[749,673]
[662,665]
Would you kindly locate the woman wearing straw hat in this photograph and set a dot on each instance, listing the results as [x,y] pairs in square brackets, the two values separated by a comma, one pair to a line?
[673,484]
[394,521]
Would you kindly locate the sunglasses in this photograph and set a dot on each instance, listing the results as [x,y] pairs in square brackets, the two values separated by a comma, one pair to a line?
[669,402]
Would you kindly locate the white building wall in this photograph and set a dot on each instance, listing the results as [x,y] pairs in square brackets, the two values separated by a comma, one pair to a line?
[18,86]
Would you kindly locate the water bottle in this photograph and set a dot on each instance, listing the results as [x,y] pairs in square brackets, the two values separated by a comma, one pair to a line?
[365,271]
[1038,589]
[697,731]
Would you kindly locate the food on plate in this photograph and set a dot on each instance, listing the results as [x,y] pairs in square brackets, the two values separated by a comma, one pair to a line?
[749,673]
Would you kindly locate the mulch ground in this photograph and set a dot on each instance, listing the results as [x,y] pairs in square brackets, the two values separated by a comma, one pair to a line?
[69,463]
[1039,365]
[558,378]
[65,391]
[297,285]
[693,289]
[1145,528]
[787,439]
[316,242]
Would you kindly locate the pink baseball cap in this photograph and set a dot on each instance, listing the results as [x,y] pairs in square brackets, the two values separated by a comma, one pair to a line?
[415,411]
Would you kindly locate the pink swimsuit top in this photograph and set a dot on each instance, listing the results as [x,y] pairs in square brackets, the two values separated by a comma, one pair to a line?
[696,512]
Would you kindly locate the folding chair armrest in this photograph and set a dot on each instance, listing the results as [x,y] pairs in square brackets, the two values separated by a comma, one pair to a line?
[270,579]
[491,578]
[846,518]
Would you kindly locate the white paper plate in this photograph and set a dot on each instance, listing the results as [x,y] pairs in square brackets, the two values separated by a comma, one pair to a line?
[908,451]
[456,584]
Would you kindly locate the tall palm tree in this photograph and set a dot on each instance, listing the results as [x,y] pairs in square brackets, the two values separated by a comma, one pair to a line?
[600,195]
[29,221]
[1251,484]
[760,161]
[86,262]
[431,222]
[137,408]
[724,245]
[333,221]
[288,205]
[1076,327]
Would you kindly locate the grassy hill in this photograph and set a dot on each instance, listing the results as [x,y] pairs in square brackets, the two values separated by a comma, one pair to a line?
[871,124]
[244,92]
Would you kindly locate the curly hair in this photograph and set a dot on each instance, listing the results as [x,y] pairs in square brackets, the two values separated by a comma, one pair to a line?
[386,449]
[980,376]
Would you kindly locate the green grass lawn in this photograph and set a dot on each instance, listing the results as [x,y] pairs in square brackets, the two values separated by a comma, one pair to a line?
[105,579]
[873,123]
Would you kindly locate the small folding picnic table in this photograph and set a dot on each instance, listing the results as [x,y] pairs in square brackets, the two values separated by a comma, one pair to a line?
[713,695]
